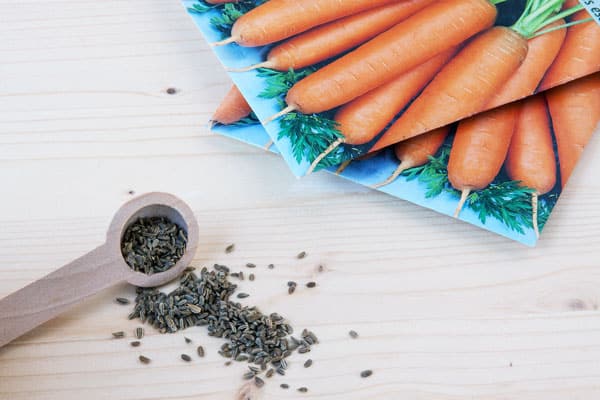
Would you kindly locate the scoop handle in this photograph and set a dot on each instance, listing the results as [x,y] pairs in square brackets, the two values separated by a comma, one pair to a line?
[55,293]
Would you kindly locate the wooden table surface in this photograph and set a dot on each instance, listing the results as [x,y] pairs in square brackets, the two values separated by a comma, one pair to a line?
[444,310]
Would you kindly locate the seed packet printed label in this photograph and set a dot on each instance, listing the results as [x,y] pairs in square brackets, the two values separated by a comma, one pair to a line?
[593,7]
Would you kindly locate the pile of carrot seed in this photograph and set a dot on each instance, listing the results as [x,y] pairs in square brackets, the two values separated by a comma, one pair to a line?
[263,341]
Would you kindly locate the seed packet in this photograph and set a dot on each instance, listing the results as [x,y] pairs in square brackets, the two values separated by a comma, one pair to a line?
[334,84]
[513,194]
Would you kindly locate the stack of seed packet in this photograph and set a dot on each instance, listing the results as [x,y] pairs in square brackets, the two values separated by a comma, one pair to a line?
[478,109]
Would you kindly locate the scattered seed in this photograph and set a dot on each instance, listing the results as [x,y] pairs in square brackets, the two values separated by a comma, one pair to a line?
[144,360]
[221,268]
[259,382]
[250,265]
[139,332]
[228,363]
[301,255]
[118,335]
[311,284]
[366,373]
[353,334]
[194,308]
[284,386]
[308,363]
[249,375]
[291,289]
[303,349]
[135,344]
[171,91]
[303,390]
[242,295]
[122,300]
[291,283]
[271,266]
[186,358]
[187,339]
[251,277]
[204,298]
[229,248]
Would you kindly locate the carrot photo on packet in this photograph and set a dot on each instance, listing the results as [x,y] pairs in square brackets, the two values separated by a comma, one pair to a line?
[417,93]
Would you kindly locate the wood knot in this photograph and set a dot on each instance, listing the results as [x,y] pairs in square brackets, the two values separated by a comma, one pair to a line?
[577,304]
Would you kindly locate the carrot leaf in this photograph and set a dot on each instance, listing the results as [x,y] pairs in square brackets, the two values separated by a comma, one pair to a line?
[201,7]
[251,119]
[545,207]
[310,135]
[341,154]
[228,13]
[434,174]
[507,202]
[279,83]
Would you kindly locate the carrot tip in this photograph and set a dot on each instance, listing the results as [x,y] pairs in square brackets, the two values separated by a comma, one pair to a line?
[324,154]
[463,199]
[280,114]
[268,145]
[265,64]
[534,209]
[343,167]
[401,168]
[224,42]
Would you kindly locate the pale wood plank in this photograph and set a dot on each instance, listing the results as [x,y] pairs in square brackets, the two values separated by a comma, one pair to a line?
[443,308]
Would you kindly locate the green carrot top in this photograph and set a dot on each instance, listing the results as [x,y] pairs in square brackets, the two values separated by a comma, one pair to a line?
[538,14]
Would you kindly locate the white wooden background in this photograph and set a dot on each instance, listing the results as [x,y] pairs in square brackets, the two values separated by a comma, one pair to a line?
[444,310]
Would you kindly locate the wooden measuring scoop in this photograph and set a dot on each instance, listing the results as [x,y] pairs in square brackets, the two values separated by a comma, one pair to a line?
[105,266]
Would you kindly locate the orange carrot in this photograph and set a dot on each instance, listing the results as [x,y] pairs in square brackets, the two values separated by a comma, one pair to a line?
[531,154]
[575,112]
[542,52]
[579,55]
[479,150]
[365,117]
[416,152]
[276,20]
[436,28]
[233,108]
[329,40]
[463,86]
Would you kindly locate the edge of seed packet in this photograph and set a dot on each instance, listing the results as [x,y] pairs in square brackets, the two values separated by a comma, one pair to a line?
[378,168]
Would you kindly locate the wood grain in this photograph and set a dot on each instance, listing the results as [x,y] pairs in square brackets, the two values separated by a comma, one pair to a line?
[444,310]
